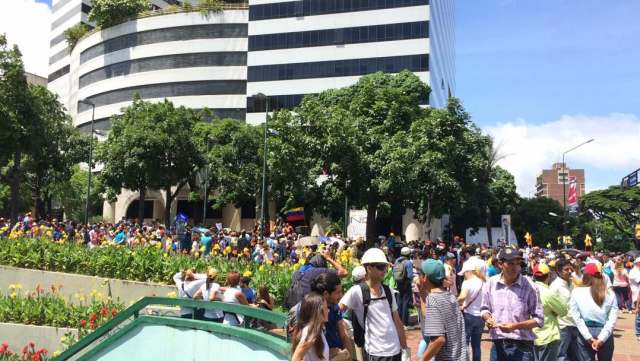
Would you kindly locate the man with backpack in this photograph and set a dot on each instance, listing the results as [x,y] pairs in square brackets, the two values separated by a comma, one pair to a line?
[376,324]
[403,275]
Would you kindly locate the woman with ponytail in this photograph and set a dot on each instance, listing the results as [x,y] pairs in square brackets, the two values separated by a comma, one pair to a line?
[595,311]
[309,343]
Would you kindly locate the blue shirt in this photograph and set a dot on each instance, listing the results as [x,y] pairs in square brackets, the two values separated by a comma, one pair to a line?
[249,294]
[206,242]
[331,327]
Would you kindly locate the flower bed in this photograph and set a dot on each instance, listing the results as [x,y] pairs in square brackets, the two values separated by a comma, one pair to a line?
[42,308]
[28,352]
[147,264]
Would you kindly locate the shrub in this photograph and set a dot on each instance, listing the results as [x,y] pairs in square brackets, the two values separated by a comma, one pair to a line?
[73,34]
[107,13]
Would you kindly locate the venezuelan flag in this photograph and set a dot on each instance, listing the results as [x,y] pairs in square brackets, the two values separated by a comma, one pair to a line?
[295,214]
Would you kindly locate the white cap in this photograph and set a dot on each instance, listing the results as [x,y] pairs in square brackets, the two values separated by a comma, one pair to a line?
[637,260]
[358,273]
[405,251]
[473,264]
[374,255]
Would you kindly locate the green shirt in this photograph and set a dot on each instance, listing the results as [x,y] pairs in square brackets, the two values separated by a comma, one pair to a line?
[554,306]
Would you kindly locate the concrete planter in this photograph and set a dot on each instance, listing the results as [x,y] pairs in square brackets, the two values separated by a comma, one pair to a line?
[18,335]
[124,291]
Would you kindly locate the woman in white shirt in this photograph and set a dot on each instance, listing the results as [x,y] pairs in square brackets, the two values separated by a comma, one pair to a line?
[211,291]
[595,311]
[470,300]
[233,294]
[309,343]
[187,282]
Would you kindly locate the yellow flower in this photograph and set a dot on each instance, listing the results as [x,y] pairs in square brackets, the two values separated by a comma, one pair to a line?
[13,295]
[172,294]
[261,268]
[56,353]
[217,246]
[301,261]
[166,255]
[63,339]
[12,287]
[18,286]
[247,273]
[159,245]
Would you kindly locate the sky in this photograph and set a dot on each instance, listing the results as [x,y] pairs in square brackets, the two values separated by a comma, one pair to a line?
[540,76]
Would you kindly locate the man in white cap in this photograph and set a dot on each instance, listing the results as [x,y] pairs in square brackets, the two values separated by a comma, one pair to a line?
[403,276]
[376,310]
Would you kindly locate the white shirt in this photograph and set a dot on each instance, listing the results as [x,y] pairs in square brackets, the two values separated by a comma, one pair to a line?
[230,296]
[563,289]
[474,295]
[634,282]
[186,289]
[206,293]
[583,308]
[381,337]
[311,354]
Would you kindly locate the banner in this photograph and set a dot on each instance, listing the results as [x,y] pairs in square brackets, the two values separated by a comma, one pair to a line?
[357,223]
[572,198]
[295,214]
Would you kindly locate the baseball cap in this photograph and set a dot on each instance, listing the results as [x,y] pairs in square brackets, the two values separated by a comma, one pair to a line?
[358,273]
[405,251]
[450,255]
[540,270]
[509,254]
[591,269]
[434,270]
[472,265]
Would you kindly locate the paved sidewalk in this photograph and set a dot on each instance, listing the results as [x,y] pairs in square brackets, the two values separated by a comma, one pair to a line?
[627,348]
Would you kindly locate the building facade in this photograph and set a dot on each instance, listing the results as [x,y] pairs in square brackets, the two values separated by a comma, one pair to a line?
[550,182]
[283,49]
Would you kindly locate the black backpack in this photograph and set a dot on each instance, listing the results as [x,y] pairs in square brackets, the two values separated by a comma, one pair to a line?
[296,292]
[359,330]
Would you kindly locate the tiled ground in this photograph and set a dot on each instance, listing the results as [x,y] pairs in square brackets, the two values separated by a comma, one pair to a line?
[627,348]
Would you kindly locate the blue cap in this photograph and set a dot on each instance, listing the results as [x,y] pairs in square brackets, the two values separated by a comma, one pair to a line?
[434,270]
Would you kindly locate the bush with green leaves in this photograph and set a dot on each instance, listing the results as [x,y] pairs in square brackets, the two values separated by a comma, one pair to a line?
[73,34]
[107,13]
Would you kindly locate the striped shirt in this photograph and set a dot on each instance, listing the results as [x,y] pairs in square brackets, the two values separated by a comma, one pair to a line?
[443,318]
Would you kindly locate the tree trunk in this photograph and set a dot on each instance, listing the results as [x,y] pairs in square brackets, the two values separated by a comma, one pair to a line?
[488,225]
[372,206]
[47,206]
[428,217]
[143,191]
[168,199]
[15,184]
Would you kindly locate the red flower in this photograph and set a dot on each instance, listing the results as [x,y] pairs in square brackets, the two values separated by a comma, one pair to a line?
[6,345]
[93,317]
[114,312]
[104,311]
[25,349]
[36,357]
[31,344]
[2,349]
[83,323]
[92,325]
[43,351]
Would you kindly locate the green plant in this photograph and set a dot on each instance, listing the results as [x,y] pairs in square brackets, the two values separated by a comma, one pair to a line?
[29,352]
[107,13]
[187,6]
[206,7]
[73,34]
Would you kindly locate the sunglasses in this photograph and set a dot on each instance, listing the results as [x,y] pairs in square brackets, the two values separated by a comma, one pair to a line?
[380,266]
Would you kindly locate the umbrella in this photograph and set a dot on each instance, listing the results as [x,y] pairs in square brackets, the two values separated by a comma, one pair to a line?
[308,241]
[633,253]
[200,230]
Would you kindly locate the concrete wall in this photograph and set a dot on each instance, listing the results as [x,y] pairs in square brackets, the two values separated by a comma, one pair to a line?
[18,335]
[125,291]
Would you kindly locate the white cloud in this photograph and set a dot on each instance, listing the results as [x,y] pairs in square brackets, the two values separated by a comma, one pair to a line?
[529,148]
[27,24]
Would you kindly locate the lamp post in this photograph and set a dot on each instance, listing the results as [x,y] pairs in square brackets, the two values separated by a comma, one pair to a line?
[93,115]
[564,185]
[206,185]
[263,215]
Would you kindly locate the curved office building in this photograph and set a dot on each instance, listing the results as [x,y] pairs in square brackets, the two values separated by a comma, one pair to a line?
[190,59]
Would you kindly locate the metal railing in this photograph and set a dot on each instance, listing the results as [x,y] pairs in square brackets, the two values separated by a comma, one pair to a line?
[120,320]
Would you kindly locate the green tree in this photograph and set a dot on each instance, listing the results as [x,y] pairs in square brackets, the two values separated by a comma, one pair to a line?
[233,154]
[151,145]
[72,194]
[618,206]
[17,119]
[350,134]
[57,147]
[532,215]
[107,13]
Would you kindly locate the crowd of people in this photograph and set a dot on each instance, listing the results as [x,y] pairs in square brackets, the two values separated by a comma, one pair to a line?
[538,304]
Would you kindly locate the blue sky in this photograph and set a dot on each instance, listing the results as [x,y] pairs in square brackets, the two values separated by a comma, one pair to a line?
[538,75]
